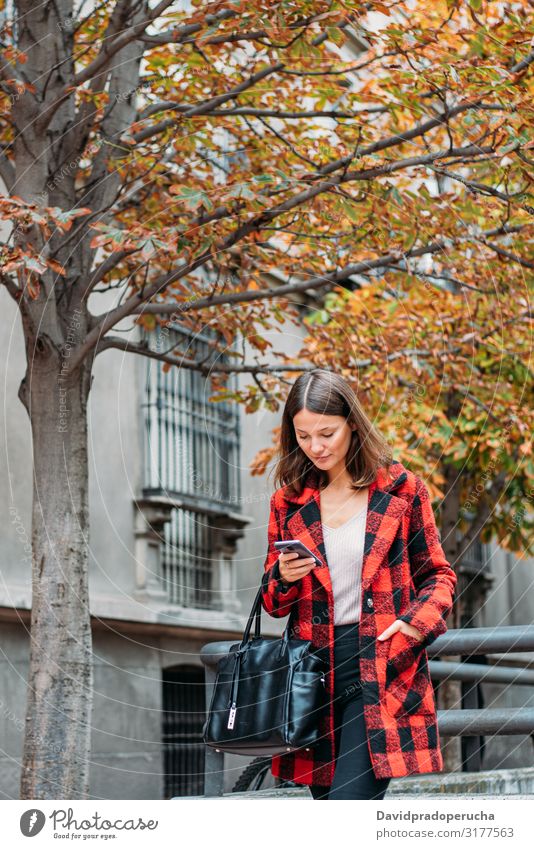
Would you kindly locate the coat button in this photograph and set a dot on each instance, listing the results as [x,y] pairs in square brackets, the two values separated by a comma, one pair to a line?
[369,602]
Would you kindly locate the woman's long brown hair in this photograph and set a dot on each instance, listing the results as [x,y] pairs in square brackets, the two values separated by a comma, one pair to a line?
[325,392]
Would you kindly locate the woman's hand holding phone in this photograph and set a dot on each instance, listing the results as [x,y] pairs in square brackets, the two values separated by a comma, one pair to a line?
[293,567]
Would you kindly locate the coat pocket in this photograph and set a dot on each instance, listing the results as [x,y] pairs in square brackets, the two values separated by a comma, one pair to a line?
[408,688]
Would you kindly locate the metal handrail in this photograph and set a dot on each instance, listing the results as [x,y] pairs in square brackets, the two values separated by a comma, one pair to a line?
[443,669]
[465,723]
[470,723]
[507,638]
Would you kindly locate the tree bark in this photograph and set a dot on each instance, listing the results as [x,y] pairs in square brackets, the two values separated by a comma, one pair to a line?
[55,321]
[58,717]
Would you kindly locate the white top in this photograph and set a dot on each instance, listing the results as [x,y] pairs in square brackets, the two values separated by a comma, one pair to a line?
[344,553]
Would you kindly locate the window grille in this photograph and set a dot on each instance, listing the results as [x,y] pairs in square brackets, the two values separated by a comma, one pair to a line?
[183,718]
[192,456]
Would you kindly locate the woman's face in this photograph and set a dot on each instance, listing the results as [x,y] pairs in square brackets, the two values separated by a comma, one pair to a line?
[324,439]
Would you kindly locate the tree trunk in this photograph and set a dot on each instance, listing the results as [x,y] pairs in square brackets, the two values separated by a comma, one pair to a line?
[58,718]
[47,155]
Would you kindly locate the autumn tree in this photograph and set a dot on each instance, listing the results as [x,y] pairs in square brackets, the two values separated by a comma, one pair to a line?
[441,362]
[176,156]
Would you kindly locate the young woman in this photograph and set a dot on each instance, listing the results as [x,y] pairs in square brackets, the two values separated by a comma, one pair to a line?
[381,595]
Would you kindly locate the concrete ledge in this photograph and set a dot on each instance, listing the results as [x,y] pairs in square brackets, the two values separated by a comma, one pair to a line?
[302,795]
[496,782]
[492,784]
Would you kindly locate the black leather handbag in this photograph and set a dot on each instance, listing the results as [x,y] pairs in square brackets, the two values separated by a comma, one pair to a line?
[269,694]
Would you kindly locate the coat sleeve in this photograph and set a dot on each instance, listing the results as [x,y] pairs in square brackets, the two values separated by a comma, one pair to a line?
[434,579]
[277,597]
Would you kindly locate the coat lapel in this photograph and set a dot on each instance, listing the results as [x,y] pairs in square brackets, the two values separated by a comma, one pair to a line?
[384,513]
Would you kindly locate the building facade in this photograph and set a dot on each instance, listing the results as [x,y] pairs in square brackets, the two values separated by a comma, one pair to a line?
[177,545]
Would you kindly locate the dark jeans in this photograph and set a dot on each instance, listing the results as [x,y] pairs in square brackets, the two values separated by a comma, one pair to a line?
[353,774]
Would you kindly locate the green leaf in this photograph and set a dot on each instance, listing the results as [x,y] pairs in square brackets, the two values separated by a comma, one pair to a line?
[263,178]
[206,244]
[193,198]
[240,190]
[395,194]
[318,317]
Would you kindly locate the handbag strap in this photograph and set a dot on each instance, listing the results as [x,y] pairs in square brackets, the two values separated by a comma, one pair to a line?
[255,614]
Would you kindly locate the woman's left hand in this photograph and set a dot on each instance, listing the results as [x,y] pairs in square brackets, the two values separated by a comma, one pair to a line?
[401,625]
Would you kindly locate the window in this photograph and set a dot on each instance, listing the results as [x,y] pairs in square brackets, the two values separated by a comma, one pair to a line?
[191,457]
[184,713]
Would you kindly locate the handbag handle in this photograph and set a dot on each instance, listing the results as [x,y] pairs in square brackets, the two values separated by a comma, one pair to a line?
[255,613]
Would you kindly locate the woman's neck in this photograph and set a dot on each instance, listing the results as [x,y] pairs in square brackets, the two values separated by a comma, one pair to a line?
[340,483]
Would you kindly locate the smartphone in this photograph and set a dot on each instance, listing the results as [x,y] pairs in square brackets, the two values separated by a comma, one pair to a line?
[298,546]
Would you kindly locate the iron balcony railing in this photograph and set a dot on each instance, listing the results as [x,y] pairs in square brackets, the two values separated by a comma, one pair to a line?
[451,723]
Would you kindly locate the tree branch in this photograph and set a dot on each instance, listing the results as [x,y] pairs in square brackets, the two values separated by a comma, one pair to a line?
[482,188]
[7,172]
[254,112]
[135,32]
[143,349]
[205,107]
[507,254]
[11,286]
[104,268]
[418,130]
[169,36]
[132,305]
[107,51]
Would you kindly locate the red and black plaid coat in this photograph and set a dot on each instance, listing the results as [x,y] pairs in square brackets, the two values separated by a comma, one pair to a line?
[405,575]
